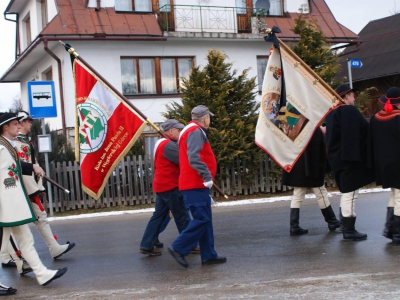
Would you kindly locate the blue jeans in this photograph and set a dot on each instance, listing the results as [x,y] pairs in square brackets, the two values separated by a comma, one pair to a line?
[200,229]
[166,201]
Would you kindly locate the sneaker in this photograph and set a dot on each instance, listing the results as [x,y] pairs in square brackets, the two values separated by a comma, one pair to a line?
[213,261]
[152,252]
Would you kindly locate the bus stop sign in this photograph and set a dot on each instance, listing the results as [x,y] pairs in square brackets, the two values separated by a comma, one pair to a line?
[42,99]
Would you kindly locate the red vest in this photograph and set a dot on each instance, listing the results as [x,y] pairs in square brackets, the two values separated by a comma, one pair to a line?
[189,178]
[166,173]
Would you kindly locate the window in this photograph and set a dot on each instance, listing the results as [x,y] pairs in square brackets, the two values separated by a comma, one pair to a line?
[27,23]
[133,5]
[48,74]
[275,6]
[262,62]
[43,9]
[152,76]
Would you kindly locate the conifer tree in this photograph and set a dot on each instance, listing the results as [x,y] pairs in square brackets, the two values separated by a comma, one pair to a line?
[231,98]
[312,49]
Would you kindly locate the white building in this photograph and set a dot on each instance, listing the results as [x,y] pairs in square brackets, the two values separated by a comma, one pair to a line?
[143,47]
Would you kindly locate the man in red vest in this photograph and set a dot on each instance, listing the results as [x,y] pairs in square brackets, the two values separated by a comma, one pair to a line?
[165,185]
[197,166]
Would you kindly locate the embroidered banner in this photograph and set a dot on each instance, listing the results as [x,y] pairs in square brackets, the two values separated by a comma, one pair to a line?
[294,102]
[107,128]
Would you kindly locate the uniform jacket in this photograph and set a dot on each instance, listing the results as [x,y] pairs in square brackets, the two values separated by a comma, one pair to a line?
[384,141]
[346,141]
[197,163]
[309,170]
[166,166]
[15,208]
[26,153]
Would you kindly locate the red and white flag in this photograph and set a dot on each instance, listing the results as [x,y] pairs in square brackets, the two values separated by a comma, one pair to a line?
[294,102]
[106,128]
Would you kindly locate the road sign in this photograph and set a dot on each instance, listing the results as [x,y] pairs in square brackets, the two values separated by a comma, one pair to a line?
[356,63]
[42,99]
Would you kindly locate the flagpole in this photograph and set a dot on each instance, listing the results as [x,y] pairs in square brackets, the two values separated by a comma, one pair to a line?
[77,56]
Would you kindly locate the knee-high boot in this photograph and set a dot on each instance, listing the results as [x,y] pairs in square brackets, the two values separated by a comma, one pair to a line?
[388,230]
[295,229]
[396,231]
[330,218]
[349,231]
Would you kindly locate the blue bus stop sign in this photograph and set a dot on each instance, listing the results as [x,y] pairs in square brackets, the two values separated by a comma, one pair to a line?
[42,99]
[355,63]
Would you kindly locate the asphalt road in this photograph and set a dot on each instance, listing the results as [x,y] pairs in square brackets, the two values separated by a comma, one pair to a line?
[264,262]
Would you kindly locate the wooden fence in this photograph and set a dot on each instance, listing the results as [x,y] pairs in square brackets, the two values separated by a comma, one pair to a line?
[131,184]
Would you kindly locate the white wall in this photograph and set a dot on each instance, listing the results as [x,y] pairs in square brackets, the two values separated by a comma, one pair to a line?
[51,9]
[294,5]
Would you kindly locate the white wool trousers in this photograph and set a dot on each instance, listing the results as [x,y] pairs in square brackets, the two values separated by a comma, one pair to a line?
[300,192]
[24,237]
[394,201]
[348,203]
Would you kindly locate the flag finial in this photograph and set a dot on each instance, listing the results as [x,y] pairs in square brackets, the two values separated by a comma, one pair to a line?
[69,49]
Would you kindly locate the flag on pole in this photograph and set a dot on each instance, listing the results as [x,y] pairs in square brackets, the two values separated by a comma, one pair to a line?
[106,128]
[294,102]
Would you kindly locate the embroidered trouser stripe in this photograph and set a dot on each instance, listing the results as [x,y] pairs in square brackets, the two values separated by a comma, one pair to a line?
[347,203]
[300,192]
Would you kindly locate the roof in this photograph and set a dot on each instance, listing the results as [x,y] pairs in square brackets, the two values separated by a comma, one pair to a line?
[379,51]
[320,13]
[74,18]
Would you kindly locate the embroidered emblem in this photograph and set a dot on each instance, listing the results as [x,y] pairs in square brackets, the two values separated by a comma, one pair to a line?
[276,72]
[9,183]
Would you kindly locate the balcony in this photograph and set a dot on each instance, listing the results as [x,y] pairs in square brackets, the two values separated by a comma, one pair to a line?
[211,19]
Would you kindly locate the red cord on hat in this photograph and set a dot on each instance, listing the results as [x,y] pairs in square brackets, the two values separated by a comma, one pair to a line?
[388,106]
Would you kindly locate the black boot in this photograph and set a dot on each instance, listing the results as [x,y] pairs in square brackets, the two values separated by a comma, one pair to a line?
[349,232]
[396,231]
[330,218]
[295,229]
[341,218]
[388,230]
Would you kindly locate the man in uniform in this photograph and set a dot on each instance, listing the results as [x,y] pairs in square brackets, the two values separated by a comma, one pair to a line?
[385,146]
[165,185]
[15,209]
[309,172]
[197,166]
[346,141]
[35,189]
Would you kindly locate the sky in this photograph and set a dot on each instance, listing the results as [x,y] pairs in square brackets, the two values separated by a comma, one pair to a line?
[354,14]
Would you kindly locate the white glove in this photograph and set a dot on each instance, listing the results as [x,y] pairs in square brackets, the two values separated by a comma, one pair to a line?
[208,184]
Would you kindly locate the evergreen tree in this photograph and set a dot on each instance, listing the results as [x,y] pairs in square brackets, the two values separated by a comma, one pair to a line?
[312,50]
[231,98]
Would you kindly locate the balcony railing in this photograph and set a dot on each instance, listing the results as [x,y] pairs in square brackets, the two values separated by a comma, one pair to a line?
[193,18]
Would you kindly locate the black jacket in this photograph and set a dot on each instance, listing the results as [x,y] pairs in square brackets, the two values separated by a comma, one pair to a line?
[309,169]
[384,139]
[346,141]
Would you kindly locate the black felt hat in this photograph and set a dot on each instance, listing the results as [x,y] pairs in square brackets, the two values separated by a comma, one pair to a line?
[343,89]
[8,117]
[392,96]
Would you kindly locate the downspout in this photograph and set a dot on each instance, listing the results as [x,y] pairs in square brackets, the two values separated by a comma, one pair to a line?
[17,44]
[98,5]
[60,83]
